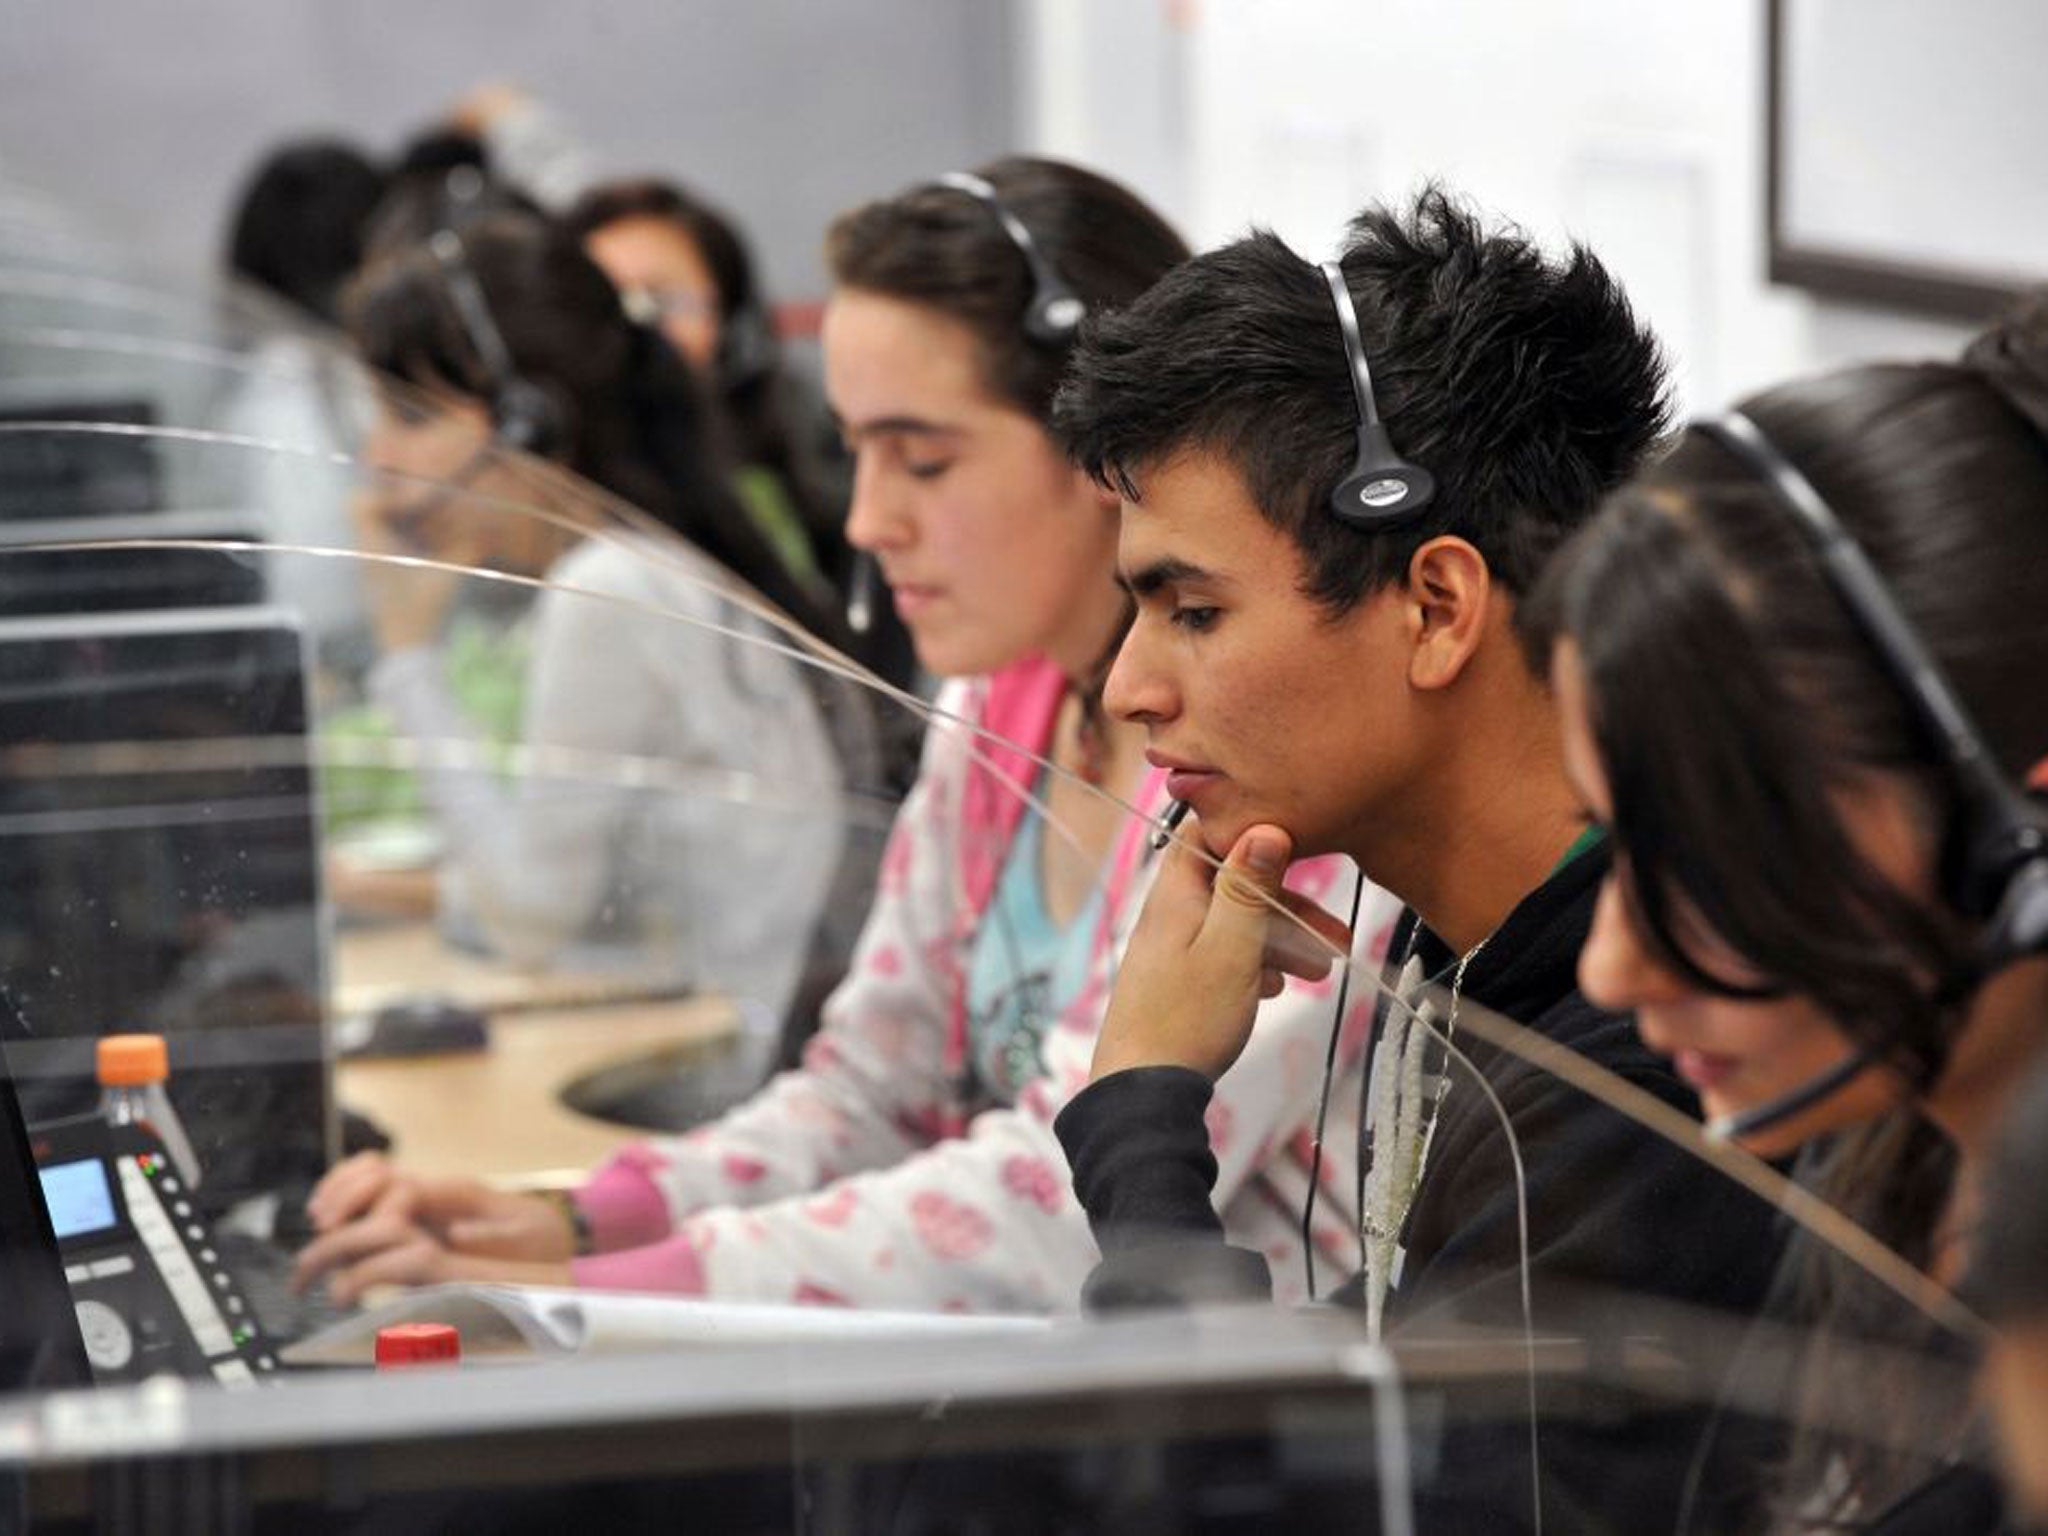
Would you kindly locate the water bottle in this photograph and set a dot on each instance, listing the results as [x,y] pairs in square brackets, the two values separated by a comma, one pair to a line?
[133,1071]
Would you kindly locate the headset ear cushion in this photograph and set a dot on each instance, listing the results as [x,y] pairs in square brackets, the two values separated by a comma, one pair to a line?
[1055,314]
[746,346]
[528,418]
[2019,926]
[1382,490]
[1382,496]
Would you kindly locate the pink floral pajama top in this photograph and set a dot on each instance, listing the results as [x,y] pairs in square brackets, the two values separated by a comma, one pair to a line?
[872,1177]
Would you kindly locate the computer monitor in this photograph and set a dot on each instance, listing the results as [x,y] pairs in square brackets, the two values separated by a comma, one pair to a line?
[40,1344]
[154,573]
[158,833]
[79,474]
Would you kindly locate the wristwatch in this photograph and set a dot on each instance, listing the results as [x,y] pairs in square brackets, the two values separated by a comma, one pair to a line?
[582,1241]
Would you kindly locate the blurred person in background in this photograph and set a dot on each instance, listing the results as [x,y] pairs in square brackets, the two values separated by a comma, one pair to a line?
[524,362]
[299,224]
[683,265]
[298,233]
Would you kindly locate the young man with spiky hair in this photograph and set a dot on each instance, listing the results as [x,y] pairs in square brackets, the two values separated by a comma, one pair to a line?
[1316,683]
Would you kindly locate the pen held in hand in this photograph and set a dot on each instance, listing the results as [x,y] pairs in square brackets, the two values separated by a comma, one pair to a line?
[1176,813]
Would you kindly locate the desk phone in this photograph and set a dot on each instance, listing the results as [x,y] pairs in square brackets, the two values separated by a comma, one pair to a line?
[151,1293]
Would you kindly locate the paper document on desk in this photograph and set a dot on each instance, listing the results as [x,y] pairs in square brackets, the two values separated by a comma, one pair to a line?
[525,1322]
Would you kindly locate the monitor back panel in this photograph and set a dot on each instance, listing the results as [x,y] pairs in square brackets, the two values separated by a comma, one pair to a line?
[79,474]
[157,824]
[40,1343]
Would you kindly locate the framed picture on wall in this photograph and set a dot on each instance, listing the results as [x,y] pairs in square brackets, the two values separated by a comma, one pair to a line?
[1905,141]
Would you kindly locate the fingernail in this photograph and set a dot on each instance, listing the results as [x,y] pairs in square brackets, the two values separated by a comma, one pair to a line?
[1263,852]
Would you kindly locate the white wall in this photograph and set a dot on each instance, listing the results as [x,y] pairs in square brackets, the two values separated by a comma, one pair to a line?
[1636,125]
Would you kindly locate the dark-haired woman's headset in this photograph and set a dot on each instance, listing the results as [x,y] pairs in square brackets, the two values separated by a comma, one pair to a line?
[747,348]
[1995,867]
[524,416]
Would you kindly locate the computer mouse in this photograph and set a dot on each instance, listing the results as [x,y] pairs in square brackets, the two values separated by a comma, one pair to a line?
[426,1025]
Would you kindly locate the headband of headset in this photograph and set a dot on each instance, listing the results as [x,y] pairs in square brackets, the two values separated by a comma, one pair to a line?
[1054,311]
[1997,870]
[1381,490]
[523,415]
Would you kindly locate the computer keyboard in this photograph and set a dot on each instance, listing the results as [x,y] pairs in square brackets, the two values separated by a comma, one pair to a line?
[264,1272]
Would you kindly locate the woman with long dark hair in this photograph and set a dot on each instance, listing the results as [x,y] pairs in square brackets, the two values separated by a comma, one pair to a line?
[523,364]
[684,266]
[1800,671]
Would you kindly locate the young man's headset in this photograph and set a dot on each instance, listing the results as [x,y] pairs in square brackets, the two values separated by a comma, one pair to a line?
[1381,492]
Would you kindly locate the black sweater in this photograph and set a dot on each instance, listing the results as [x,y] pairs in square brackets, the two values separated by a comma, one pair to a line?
[1611,1205]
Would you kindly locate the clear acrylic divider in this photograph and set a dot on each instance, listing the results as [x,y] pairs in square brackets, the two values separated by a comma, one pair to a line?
[369,740]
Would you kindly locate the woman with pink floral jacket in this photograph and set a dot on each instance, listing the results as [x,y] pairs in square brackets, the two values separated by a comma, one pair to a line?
[910,1161]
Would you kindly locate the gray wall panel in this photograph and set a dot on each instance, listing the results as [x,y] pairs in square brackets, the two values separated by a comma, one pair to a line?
[786,110]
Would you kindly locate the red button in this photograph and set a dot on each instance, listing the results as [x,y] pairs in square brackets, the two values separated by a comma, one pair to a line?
[418,1344]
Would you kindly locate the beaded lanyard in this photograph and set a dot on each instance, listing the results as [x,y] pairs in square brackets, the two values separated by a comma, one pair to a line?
[1402,1104]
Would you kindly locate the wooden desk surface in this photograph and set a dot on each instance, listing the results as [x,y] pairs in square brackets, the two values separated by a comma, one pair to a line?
[375,966]
[497,1112]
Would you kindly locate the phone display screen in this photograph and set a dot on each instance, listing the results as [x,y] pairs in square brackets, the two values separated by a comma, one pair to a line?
[79,1197]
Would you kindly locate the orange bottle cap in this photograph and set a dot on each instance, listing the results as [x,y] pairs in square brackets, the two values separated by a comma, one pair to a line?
[418,1344]
[132,1061]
